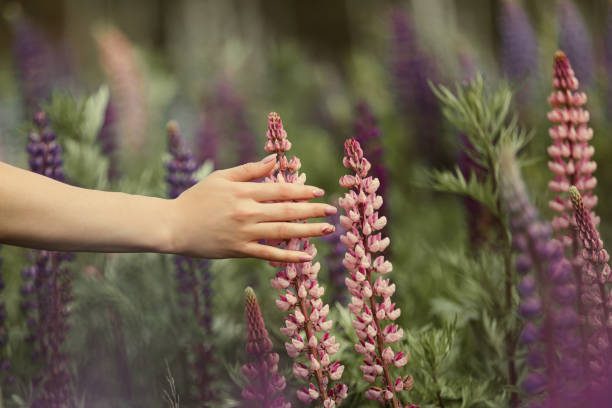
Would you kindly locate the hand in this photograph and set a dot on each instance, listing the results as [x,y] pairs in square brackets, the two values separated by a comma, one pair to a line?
[225,215]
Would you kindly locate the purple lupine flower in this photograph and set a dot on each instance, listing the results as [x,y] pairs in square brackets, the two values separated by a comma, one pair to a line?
[48,286]
[306,325]
[224,118]
[34,62]
[262,368]
[519,50]
[192,275]
[334,262]
[547,298]
[107,138]
[596,295]
[575,40]
[371,302]
[411,71]
[368,136]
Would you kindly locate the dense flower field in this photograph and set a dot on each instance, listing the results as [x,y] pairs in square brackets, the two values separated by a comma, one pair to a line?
[468,266]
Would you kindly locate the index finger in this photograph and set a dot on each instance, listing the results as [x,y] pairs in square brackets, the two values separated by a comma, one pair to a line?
[280,191]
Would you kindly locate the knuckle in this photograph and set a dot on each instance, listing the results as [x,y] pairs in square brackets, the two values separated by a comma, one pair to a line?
[242,213]
[282,230]
[285,191]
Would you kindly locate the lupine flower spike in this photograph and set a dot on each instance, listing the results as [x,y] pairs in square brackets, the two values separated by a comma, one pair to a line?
[596,295]
[307,325]
[371,296]
[48,286]
[193,275]
[262,370]
[571,164]
[547,297]
[5,363]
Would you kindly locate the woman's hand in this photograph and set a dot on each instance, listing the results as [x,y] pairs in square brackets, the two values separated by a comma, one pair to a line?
[225,215]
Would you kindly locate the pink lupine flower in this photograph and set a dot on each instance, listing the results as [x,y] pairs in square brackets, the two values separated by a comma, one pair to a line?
[571,165]
[596,296]
[262,371]
[306,325]
[371,296]
[570,151]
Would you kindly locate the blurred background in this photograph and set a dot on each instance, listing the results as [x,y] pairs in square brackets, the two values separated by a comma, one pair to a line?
[331,69]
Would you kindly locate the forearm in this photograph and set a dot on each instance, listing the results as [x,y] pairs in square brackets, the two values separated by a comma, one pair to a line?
[38,212]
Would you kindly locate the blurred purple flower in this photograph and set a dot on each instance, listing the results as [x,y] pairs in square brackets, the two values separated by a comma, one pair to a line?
[547,299]
[575,41]
[411,70]
[224,118]
[47,287]
[34,62]
[519,50]
[368,136]
[334,262]
[107,138]
[192,275]
[5,364]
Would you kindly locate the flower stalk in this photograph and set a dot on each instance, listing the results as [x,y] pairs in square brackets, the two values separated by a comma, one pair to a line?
[307,325]
[371,297]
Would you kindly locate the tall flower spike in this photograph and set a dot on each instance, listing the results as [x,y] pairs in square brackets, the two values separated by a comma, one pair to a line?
[262,368]
[371,296]
[575,40]
[334,262]
[118,59]
[193,275]
[596,295]
[48,287]
[519,51]
[547,298]
[571,164]
[5,364]
[306,325]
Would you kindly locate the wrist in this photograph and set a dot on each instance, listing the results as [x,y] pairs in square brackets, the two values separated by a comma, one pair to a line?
[164,238]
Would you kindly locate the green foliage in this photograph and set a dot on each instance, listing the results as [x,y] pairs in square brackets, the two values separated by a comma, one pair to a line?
[77,123]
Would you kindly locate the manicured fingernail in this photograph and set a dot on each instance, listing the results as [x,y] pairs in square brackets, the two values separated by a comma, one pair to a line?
[328,229]
[318,192]
[269,158]
[330,210]
[305,258]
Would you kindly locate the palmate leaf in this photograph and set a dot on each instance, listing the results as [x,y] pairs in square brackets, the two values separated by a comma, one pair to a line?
[454,182]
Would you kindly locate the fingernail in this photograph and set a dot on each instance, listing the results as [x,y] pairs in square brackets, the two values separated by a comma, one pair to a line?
[269,158]
[330,210]
[318,192]
[328,229]
[305,258]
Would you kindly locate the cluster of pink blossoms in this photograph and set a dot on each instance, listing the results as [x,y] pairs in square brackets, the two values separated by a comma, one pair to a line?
[262,371]
[306,325]
[570,152]
[371,299]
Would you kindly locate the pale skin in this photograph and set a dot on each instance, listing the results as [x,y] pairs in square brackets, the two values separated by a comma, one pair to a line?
[223,216]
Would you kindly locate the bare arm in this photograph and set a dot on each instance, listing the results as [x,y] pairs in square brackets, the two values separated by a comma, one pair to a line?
[222,216]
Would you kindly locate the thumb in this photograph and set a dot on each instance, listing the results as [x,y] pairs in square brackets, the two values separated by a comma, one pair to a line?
[250,171]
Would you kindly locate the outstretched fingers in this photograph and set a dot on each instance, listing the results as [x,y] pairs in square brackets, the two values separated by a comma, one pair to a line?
[274,254]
